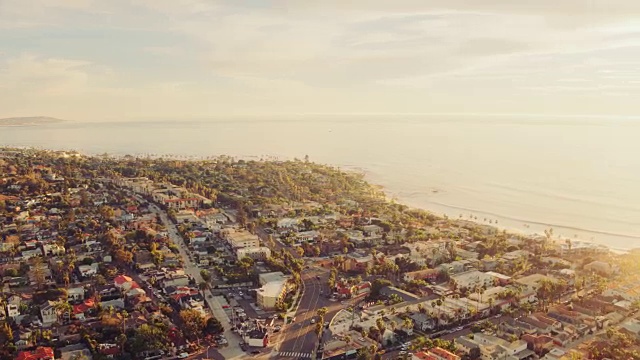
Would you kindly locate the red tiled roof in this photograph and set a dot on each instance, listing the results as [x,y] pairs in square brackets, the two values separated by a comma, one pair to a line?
[121,279]
[37,354]
[424,356]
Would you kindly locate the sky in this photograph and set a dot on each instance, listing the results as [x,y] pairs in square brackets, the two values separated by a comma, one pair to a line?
[91,60]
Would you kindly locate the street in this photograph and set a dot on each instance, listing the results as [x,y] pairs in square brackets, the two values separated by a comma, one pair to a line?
[300,338]
[233,349]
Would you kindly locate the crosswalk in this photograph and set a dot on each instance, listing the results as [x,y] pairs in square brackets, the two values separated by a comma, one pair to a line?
[295,354]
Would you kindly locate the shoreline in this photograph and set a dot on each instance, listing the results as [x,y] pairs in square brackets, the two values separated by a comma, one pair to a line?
[514,225]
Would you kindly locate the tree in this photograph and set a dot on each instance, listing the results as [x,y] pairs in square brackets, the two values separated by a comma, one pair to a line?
[193,323]
[63,307]
[366,353]
[150,336]
[407,323]
[322,311]
[381,326]
[38,272]
[123,256]
[214,326]
[206,275]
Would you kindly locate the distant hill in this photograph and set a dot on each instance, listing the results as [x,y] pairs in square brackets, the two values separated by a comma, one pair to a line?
[29,121]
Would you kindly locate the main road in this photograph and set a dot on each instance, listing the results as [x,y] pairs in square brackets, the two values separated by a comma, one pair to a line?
[300,339]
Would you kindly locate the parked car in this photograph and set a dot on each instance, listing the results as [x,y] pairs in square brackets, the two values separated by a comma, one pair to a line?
[183,355]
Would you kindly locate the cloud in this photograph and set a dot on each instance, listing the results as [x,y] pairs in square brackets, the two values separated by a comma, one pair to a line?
[352,56]
[50,76]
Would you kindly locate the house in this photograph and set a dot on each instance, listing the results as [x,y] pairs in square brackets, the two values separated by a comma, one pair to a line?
[123,282]
[75,295]
[501,279]
[455,267]
[466,254]
[602,268]
[357,262]
[88,271]
[516,255]
[540,344]
[13,310]
[471,279]
[40,353]
[372,231]
[75,351]
[346,347]
[438,353]
[53,249]
[175,280]
[422,321]
[427,274]
[287,223]
[144,259]
[469,347]
[259,253]
[48,313]
[532,282]
[307,236]
[191,301]
[496,348]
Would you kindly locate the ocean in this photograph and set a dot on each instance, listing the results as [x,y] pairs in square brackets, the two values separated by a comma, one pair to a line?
[580,177]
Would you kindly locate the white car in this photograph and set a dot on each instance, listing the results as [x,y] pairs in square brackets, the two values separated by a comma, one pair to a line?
[183,355]
[313,321]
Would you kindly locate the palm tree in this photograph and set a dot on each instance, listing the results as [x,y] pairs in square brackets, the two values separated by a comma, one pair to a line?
[203,286]
[124,314]
[407,323]
[63,307]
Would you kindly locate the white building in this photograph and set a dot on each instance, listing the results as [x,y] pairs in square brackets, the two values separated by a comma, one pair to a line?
[240,238]
[48,313]
[75,294]
[256,253]
[271,294]
[473,278]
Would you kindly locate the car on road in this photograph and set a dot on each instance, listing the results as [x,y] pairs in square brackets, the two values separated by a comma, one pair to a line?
[255,352]
[183,355]
[313,321]
[459,328]
[317,277]
[402,353]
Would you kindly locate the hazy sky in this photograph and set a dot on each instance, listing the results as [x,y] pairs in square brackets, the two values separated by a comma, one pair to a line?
[115,59]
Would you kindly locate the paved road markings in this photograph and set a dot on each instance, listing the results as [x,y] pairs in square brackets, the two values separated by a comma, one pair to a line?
[295,354]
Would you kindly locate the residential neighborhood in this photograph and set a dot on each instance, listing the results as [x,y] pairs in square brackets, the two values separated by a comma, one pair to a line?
[98,261]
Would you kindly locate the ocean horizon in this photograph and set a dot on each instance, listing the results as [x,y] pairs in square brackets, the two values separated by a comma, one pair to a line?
[579,176]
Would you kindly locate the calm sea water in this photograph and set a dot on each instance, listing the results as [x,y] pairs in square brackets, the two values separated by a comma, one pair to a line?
[581,177]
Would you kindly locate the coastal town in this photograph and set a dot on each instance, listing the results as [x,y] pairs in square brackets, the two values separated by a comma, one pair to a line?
[107,257]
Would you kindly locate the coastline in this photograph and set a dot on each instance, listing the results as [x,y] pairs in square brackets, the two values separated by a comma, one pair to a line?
[516,226]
